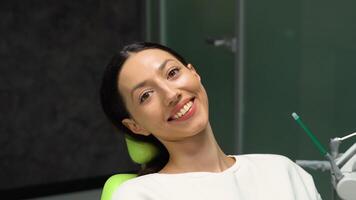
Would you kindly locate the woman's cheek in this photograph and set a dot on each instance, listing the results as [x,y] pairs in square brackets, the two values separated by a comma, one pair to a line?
[188,80]
[151,111]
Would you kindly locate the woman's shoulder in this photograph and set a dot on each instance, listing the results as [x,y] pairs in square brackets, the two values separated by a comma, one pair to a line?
[265,158]
[272,161]
[280,170]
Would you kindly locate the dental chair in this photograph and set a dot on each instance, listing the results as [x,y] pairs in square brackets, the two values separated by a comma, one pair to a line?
[140,153]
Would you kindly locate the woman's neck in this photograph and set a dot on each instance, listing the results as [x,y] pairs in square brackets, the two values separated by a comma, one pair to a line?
[200,153]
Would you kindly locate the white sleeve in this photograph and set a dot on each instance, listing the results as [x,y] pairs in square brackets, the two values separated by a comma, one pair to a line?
[308,182]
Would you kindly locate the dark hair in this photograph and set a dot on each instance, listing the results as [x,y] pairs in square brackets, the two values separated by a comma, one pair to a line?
[114,106]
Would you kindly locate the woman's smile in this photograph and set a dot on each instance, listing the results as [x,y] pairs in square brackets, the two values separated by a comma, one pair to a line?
[183,111]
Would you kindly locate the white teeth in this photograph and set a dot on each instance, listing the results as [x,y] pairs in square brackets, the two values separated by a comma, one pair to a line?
[183,110]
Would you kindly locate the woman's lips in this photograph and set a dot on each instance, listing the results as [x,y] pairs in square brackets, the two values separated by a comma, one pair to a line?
[188,114]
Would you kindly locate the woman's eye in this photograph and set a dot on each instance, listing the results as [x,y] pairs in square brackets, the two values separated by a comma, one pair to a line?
[144,96]
[174,72]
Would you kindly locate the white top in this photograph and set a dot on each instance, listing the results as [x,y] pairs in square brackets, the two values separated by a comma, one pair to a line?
[252,177]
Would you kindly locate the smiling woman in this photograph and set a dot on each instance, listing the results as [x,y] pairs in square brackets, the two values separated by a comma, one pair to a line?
[157,90]
[150,92]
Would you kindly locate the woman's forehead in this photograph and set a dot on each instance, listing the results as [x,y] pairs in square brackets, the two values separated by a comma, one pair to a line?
[149,58]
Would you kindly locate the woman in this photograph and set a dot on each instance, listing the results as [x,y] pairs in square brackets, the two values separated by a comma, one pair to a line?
[152,93]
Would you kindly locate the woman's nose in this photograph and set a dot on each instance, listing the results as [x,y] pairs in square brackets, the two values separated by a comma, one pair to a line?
[174,99]
[172,96]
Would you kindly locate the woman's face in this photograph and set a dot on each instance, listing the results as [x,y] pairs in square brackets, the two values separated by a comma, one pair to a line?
[164,97]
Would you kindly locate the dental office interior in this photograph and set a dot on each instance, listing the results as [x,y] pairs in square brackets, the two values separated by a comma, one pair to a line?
[260,62]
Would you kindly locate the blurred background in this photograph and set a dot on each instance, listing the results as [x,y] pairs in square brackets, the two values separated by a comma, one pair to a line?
[259,61]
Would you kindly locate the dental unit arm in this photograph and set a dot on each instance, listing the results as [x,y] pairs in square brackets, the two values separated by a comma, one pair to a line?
[341,166]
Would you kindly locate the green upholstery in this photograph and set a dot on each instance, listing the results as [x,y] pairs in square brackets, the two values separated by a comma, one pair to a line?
[141,153]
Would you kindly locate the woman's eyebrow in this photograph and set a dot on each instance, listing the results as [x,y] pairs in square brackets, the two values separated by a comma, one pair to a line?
[143,83]
[164,64]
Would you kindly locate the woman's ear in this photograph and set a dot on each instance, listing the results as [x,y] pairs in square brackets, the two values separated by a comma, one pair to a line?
[191,67]
[135,127]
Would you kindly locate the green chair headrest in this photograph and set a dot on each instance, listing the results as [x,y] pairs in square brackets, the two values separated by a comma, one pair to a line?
[140,152]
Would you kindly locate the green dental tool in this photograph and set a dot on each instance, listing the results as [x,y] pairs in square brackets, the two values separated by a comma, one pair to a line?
[310,134]
[334,168]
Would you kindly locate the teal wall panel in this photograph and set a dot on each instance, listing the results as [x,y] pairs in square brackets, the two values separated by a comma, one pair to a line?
[299,57]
